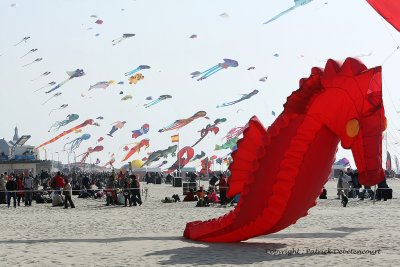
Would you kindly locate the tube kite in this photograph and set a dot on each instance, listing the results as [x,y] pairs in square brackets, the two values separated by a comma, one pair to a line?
[205,74]
[139,68]
[72,74]
[58,124]
[143,130]
[155,101]
[143,143]
[85,123]
[180,123]
[244,97]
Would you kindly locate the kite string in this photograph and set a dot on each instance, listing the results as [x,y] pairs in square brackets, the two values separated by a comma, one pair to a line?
[394,40]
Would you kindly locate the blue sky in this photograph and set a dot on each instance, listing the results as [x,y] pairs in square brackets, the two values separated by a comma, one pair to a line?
[303,39]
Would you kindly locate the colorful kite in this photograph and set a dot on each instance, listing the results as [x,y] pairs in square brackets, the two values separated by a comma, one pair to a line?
[102,85]
[159,99]
[23,40]
[74,144]
[72,74]
[61,107]
[205,74]
[90,151]
[127,97]
[244,97]
[36,60]
[263,79]
[47,85]
[58,124]
[235,132]
[141,67]
[143,143]
[117,125]
[184,156]
[85,123]
[100,139]
[297,3]
[143,130]
[229,144]
[100,118]
[156,155]
[124,36]
[209,128]
[135,78]
[42,75]
[180,123]
[55,95]
[199,156]
[99,21]
[29,52]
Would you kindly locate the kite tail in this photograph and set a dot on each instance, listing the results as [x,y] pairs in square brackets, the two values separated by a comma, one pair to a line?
[210,73]
[58,86]
[132,72]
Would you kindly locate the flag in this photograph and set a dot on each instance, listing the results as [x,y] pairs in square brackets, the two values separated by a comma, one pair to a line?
[388,162]
[175,138]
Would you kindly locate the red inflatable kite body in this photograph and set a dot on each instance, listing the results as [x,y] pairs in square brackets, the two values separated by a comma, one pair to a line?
[280,172]
[389,9]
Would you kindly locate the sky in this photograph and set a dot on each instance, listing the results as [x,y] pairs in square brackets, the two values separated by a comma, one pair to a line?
[284,50]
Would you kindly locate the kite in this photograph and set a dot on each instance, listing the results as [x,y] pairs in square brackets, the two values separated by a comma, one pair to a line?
[96,124]
[182,122]
[205,74]
[74,144]
[209,128]
[117,125]
[42,75]
[110,162]
[99,21]
[61,107]
[231,143]
[58,124]
[140,67]
[251,68]
[276,55]
[297,3]
[389,10]
[143,143]
[156,155]
[162,164]
[149,98]
[93,16]
[23,40]
[263,79]
[55,95]
[121,82]
[143,130]
[273,113]
[244,97]
[193,36]
[184,156]
[124,36]
[85,123]
[47,85]
[135,78]
[100,118]
[224,15]
[235,132]
[36,60]
[199,156]
[29,52]
[159,99]
[97,34]
[274,170]
[102,85]
[100,139]
[121,93]
[90,151]
[127,97]
[72,74]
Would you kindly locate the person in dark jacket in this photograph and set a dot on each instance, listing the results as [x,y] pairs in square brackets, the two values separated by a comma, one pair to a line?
[11,187]
[135,187]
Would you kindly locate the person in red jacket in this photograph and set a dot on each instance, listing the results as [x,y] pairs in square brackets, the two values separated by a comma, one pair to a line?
[58,182]
[20,188]
[223,187]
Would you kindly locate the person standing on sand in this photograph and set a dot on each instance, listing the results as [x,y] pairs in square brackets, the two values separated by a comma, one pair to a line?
[11,187]
[135,186]
[2,190]
[28,187]
[20,188]
[67,192]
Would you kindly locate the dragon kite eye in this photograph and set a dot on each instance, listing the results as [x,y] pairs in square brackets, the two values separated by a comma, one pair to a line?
[352,128]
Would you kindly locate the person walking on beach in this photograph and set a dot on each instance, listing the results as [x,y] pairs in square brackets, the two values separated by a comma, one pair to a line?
[28,187]
[2,189]
[223,187]
[67,192]
[135,185]
[127,191]
[20,188]
[11,187]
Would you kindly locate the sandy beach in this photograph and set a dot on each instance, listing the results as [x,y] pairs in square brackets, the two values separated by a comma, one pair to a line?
[150,235]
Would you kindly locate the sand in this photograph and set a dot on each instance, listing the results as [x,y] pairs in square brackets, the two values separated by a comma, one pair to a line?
[151,235]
